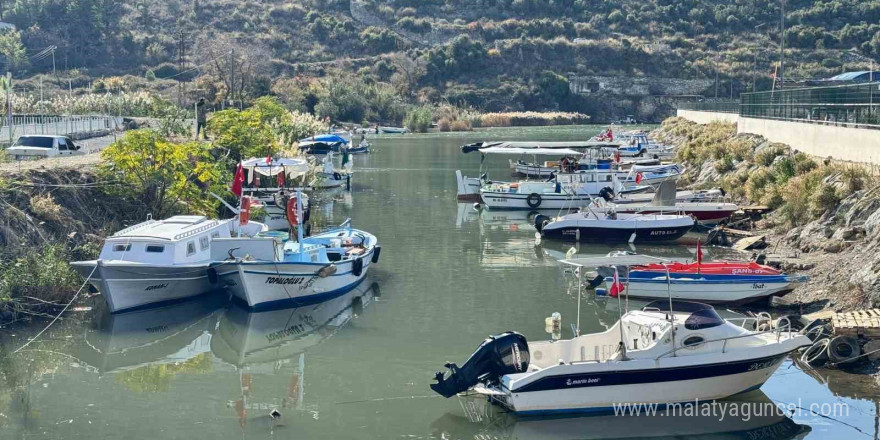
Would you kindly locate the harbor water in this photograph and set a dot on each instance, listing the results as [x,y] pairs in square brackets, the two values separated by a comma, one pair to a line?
[359,366]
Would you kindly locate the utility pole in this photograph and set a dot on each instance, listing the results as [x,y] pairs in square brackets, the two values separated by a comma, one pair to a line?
[54,73]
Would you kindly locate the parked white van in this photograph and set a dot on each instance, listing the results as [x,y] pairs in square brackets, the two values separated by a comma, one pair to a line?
[39,146]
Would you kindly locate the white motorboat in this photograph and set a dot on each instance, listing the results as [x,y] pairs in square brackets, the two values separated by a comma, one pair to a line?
[270,183]
[267,272]
[159,261]
[393,130]
[608,226]
[654,174]
[328,176]
[664,202]
[668,352]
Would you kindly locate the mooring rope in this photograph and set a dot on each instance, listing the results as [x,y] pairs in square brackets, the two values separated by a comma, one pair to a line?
[75,296]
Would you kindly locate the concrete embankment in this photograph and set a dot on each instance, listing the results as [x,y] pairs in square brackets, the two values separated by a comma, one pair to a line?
[825,218]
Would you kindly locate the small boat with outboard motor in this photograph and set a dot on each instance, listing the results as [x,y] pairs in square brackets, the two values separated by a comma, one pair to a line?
[391,130]
[325,143]
[704,211]
[667,352]
[266,272]
[737,282]
[159,261]
[328,176]
[606,225]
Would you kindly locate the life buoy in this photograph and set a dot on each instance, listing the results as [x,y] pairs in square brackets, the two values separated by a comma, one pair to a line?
[245,214]
[357,267]
[213,277]
[541,221]
[533,200]
[337,176]
[292,215]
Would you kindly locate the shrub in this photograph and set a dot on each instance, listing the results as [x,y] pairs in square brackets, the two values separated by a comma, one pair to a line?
[444,124]
[44,206]
[757,184]
[724,164]
[823,199]
[766,156]
[418,119]
[41,273]
[460,126]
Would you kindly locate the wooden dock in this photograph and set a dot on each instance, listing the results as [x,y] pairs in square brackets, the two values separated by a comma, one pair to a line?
[858,323]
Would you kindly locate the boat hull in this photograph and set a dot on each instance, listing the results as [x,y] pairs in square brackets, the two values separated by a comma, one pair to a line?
[468,187]
[703,215]
[267,286]
[614,235]
[599,392]
[499,200]
[719,289]
[129,286]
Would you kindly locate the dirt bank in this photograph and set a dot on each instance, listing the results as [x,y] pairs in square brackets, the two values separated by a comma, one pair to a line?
[824,220]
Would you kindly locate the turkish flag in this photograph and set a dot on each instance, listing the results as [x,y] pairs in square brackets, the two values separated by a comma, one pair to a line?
[238,181]
[616,287]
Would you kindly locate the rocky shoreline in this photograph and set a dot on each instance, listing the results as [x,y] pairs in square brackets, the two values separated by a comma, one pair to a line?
[836,242]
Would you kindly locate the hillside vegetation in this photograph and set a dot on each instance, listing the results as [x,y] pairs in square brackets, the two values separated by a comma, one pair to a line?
[492,55]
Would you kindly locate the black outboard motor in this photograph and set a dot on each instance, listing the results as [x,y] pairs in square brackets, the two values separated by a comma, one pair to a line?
[507,353]
[471,147]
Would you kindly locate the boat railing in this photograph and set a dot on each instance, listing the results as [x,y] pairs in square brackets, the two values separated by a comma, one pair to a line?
[136,227]
[777,331]
[210,225]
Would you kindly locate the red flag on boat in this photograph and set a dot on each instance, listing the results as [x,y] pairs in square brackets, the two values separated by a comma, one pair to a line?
[279,178]
[699,252]
[616,286]
[238,181]
[638,178]
[610,135]
[269,159]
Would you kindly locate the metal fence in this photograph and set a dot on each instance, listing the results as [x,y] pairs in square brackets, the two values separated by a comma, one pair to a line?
[711,106]
[73,126]
[852,105]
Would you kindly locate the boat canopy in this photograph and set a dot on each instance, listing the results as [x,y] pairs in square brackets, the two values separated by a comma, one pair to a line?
[291,167]
[515,150]
[614,260]
[567,144]
[327,138]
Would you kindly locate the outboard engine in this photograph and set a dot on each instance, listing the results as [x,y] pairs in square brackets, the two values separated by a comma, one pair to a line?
[507,353]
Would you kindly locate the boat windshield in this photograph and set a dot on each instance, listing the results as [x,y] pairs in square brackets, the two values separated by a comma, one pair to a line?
[702,316]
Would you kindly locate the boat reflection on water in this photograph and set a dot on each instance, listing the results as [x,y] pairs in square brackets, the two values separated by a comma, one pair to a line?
[523,220]
[747,416]
[265,346]
[161,335]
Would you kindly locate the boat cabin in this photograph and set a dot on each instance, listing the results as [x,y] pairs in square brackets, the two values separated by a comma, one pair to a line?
[182,239]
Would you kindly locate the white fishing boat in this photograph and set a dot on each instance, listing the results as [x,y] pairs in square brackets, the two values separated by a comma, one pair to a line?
[267,272]
[667,352]
[654,174]
[328,176]
[564,191]
[159,261]
[271,182]
[664,202]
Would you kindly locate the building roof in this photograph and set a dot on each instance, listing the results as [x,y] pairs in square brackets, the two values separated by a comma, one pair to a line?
[849,76]
[174,228]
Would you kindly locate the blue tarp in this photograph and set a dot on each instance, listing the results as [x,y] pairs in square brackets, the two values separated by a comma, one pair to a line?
[329,138]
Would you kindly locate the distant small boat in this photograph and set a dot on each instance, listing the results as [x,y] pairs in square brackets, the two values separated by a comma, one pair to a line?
[393,130]
[325,143]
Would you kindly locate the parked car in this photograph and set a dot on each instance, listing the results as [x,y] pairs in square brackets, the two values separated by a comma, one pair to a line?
[39,146]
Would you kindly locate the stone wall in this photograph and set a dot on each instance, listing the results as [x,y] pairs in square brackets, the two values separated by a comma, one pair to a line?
[637,86]
[838,142]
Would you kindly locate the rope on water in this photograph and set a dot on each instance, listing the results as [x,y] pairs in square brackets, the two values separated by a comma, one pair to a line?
[75,296]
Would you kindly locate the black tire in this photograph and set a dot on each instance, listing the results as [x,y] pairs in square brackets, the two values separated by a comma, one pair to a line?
[213,278]
[357,267]
[817,354]
[337,176]
[817,333]
[541,221]
[534,200]
[376,251]
[794,322]
[842,349]
[607,193]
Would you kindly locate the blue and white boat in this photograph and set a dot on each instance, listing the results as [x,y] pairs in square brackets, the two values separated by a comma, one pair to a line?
[712,282]
[269,272]
[324,143]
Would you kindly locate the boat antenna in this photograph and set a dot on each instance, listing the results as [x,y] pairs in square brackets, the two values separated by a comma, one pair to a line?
[671,313]
[620,318]
[580,275]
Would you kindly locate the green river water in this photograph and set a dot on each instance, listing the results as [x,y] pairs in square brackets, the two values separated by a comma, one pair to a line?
[359,366]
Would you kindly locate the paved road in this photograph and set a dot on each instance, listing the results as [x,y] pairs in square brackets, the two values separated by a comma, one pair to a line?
[92,147]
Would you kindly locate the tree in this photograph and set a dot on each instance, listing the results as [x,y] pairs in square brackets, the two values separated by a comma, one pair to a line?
[13,50]
[162,174]
[407,73]
[235,65]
